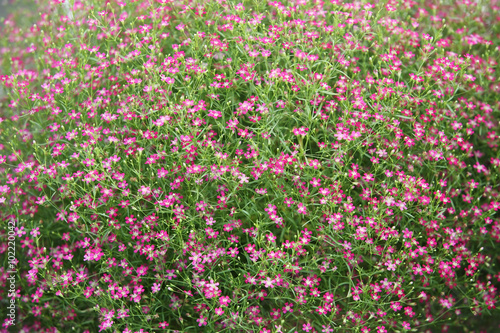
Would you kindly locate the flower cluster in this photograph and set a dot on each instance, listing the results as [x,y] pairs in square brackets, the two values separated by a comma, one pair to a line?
[280,166]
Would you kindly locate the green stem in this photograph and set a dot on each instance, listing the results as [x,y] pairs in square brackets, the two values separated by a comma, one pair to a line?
[302,148]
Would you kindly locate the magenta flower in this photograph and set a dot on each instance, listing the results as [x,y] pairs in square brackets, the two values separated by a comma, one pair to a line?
[306,327]
[202,321]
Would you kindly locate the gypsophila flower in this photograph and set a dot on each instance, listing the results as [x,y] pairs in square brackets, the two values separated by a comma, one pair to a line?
[202,321]
[35,232]
[326,329]
[302,208]
[261,159]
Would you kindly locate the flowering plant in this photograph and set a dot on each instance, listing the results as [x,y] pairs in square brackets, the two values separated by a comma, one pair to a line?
[215,166]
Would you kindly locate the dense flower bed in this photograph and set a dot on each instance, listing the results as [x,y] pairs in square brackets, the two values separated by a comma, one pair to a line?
[215,166]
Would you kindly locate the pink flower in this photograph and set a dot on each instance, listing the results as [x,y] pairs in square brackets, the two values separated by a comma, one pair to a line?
[156,287]
[202,321]
[289,201]
[315,182]
[368,177]
[105,325]
[269,282]
[224,300]
[302,209]
[307,327]
[35,232]
[326,329]
[144,190]
[287,308]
